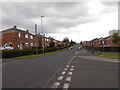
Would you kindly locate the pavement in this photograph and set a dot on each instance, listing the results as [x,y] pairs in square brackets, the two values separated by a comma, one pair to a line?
[68,69]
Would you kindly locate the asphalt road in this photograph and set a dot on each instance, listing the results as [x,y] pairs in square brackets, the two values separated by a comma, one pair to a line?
[69,69]
[34,73]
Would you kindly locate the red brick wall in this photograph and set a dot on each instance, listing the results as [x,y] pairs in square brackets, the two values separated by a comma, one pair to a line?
[13,37]
[109,42]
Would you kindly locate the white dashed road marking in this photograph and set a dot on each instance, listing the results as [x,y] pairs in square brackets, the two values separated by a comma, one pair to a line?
[72,66]
[63,72]
[60,78]
[70,73]
[66,85]
[68,78]
[71,60]
[65,69]
[71,69]
[67,66]
[56,84]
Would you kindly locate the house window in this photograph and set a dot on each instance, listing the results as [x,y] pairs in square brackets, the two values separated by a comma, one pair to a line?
[26,44]
[31,44]
[103,42]
[19,35]
[26,35]
[31,37]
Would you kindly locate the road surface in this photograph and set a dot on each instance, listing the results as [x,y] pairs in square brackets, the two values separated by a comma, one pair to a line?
[68,69]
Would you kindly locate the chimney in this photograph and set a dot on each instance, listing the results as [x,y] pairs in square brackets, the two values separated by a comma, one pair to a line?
[15,27]
[27,30]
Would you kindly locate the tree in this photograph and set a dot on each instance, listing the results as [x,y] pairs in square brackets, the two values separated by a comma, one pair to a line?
[72,42]
[52,44]
[116,39]
[66,39]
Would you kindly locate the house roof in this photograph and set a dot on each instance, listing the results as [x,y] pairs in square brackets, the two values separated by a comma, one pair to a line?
[14,29]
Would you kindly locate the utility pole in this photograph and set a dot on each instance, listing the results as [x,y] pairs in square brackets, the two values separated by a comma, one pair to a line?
[36,38]
[42,34]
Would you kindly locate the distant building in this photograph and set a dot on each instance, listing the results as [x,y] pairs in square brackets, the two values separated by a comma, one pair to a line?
[114,32]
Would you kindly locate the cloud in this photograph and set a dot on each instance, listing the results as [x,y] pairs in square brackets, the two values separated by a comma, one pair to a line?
[59,16]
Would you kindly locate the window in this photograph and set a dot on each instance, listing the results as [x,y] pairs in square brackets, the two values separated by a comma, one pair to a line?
[31,44]
[31,37]
[26,35]
[19,35]
[26,44]
[103,42]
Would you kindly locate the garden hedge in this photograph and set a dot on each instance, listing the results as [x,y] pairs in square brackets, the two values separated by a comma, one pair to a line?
[17,53]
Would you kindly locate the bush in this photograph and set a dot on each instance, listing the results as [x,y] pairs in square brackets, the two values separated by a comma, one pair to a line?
[17,53]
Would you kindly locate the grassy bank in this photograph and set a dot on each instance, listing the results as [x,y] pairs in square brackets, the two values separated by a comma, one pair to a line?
[38,55]
[109,55]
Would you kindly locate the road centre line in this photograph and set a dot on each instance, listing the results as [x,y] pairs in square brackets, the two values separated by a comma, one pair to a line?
[65,69]
[68,78]
[72,66]
[63,72]
[66,85]
[71,60]
[70,73]
[56,84]
[60,78]
[67,66]
[71,69]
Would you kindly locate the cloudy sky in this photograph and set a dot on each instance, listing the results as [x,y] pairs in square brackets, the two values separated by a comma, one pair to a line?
[80,21]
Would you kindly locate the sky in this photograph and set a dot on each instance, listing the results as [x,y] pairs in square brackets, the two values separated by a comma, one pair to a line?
[79,21]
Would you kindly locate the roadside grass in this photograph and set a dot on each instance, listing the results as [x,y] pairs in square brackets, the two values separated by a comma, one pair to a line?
[38,55]
[109,55]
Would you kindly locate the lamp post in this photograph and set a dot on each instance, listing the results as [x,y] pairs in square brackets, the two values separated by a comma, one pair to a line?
[36,38]
[42,34]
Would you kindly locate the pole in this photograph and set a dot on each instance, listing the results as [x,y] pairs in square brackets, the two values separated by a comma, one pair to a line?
[42,34]
[36,37]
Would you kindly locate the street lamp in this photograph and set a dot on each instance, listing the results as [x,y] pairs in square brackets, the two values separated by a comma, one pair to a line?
[42,34]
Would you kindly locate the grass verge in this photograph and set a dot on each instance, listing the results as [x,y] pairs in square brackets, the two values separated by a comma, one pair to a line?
[38,55]
[109,55]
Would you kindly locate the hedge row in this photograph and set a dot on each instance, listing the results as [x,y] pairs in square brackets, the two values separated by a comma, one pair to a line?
[105,49]
[17,53]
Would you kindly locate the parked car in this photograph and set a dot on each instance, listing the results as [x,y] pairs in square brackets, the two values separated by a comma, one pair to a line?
[9,48]
[2,48]
[6,48]
[70,47]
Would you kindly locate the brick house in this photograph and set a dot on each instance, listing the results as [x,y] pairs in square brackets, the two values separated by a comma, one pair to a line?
[47,41]
[109,43]
[19,39]
[23,39]
[95,42]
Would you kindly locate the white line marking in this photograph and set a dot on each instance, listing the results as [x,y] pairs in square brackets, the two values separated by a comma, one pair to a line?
[60,78]
[56,84]
[71,69]
[72,66]
[66,85]
[67,66]
[68,78]
[71,60]
[70,73]
[65,69]
[63,72]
